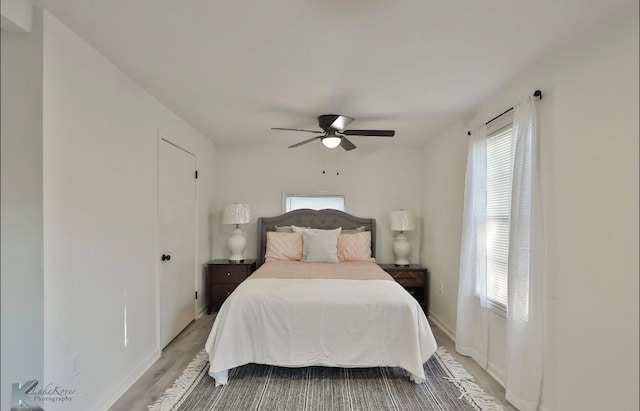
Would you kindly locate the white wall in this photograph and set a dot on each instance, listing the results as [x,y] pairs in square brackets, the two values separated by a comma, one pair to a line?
[100,143]
[18,16]
[22,284]
[375,180]
[588,123]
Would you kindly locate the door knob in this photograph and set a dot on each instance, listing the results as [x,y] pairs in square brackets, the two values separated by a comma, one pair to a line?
[166,257]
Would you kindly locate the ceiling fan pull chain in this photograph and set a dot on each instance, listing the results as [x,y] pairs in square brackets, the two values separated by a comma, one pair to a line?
[337,162]
[324,161]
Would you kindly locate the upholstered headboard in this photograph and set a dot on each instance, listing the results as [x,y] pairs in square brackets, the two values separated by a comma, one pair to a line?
[325,219]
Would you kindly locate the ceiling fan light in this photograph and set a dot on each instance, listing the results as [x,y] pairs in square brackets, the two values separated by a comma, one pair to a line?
[331,142]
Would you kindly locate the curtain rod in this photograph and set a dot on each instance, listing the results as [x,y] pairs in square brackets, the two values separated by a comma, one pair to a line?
[536,93]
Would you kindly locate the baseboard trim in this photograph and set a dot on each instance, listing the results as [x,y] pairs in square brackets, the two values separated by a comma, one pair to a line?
[442,325]
[202,312]
[495,372]
[491,369]
[122,388]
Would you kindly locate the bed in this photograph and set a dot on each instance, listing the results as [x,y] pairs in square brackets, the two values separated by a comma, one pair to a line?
[299,310]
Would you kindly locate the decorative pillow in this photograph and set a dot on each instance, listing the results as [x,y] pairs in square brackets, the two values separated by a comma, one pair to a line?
[284,229]
[355,230]
[283,246]
[320,246]
[297,229]
[355,247]
[289,229]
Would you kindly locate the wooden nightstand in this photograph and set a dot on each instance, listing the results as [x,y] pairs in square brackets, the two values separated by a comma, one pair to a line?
[414,278]
[223,277]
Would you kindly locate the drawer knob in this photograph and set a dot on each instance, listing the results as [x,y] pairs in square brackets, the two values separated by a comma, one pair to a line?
[228,273]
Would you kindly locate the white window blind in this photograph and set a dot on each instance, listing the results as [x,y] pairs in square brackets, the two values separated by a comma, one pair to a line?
[499,172]
[314,202]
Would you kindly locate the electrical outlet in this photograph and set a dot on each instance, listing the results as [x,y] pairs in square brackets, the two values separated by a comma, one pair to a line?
[441,290]
[74,365]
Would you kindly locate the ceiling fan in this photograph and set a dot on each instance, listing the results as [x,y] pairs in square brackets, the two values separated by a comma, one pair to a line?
[333,134]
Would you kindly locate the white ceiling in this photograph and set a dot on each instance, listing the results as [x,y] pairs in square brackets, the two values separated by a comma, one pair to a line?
[234,69]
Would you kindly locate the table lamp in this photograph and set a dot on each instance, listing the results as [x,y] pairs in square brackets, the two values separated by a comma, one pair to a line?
[236,213]
[402,220]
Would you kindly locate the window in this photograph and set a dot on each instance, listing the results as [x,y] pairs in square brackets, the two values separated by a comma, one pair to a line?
[314,202]
[499,172]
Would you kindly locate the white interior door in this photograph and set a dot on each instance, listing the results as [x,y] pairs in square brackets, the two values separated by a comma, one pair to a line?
[177,210]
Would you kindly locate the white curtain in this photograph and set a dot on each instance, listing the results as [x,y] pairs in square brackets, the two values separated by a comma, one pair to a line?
[472,325]
[525,330]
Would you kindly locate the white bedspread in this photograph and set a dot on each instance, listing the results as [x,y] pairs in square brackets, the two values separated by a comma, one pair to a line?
[327,322]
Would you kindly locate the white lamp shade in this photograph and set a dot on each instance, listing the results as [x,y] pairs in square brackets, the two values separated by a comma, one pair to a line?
[236,213]
[402,220]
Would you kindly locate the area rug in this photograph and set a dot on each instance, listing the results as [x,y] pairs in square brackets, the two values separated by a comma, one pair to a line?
[261,387]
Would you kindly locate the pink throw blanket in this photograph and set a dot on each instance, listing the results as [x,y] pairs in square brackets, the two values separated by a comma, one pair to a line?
[356,270]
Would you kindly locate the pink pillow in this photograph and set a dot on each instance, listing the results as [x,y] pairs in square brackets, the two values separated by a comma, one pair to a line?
[283,246]
[355,247]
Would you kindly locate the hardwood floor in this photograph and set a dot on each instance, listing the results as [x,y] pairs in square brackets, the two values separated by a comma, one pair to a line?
[483,379]
[175,358]
[179,353]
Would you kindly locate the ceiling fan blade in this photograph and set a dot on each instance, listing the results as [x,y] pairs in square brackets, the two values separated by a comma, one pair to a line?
[372,133]
[346,144]
[297,129]
[305,142]
[341,122]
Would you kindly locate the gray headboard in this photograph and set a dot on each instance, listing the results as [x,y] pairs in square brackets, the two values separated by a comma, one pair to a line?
[326,219]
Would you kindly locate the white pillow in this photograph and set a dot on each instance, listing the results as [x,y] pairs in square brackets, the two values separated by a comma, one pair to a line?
[297,229]
[319,246]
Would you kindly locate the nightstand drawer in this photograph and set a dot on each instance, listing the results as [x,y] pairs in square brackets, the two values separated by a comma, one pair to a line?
[409,278]
[230,274]
[223,276]
[222,291]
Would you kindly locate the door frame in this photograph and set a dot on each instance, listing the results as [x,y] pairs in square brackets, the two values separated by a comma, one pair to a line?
[160,138]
